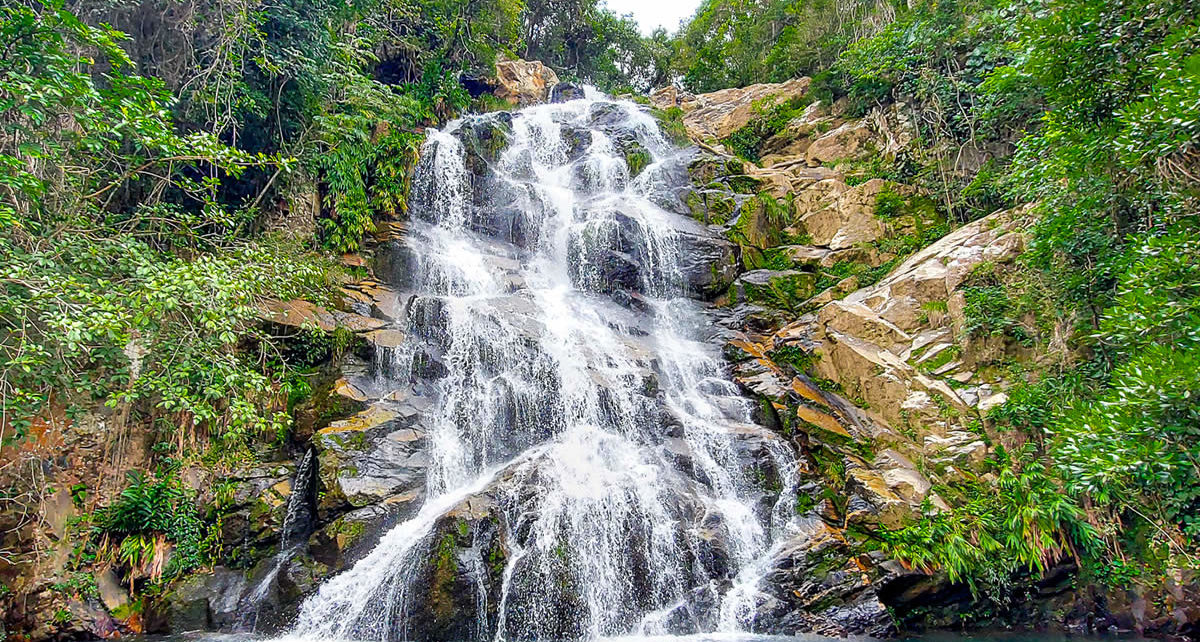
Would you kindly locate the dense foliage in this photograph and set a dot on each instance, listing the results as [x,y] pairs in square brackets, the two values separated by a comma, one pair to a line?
[582,39]
[150,514]
[126,278]
[1088,109]
[731,43]
[156,189]
[169,168]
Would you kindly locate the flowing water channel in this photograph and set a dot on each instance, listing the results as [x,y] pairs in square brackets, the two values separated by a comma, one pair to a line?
[578,388]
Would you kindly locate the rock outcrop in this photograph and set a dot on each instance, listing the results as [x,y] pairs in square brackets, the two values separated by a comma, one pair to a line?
[717,115]
[900,345]
[524,82]
[849,319]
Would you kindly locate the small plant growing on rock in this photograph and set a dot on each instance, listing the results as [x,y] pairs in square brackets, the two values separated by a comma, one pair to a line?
[889,204]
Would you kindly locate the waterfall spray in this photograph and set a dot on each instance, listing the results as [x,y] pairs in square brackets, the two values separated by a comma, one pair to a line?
[581,414]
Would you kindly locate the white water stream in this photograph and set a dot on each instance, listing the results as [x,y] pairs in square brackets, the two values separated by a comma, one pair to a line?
[609,438]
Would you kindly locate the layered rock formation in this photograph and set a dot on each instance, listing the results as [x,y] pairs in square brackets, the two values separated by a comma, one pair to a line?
[848,319]
[840,303]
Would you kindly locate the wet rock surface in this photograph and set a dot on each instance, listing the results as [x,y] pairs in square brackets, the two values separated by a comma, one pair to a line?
[858,352]
[843,410]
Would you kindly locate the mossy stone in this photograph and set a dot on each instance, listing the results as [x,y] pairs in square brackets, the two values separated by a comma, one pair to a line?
[781,289]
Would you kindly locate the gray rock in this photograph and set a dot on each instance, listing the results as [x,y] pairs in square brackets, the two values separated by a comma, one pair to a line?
[816,587]
[708,262]
[205,601]
[374,455]
[112,592]
[564,91]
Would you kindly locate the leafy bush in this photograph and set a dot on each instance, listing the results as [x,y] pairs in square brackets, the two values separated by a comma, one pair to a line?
[1135,446]
[670,121]
[149,513]
[115,319]
[1024,522]
[126,278]
[367,142]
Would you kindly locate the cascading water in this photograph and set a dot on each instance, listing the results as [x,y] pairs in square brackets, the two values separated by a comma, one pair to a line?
[297,517]
[580,407]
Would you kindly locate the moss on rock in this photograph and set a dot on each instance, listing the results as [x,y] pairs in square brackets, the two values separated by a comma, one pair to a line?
[782,289]
[636,159]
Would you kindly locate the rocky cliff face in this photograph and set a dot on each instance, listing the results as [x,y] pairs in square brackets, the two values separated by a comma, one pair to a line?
[847,318]
[840,306]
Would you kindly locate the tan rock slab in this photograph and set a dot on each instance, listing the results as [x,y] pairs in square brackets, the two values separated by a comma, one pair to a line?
[716,115]
[524,82]
[385,338]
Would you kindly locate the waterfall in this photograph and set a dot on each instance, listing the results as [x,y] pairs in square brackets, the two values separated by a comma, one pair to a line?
[297,518]
[584,417]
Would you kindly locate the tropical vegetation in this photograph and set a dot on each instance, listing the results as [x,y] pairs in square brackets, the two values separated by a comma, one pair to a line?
[166,168]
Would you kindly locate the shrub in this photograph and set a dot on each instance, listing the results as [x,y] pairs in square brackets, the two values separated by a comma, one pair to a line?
[1022,523]
[149,513]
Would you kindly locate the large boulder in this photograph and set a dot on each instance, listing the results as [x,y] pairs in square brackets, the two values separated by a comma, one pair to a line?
[373,456]
[836,216]
[206,602]
[670,96]
[850,141]
[817,585]
[458,588]
[524,82]
[716,115]
[564,91]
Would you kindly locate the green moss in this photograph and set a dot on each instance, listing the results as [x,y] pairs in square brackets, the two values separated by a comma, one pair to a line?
[796,357]
[487,139]
[637,158]
[786,291]
[128,609]
[497,560]
[695,205]
[710,170]
[805,504]
[743,184]
[670,122]
[828,385]
[712,207]
[942,358]
[776,258]
[445,572]
[352,530]
[719,207]
[349,440]
[889,204]
[758,229]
